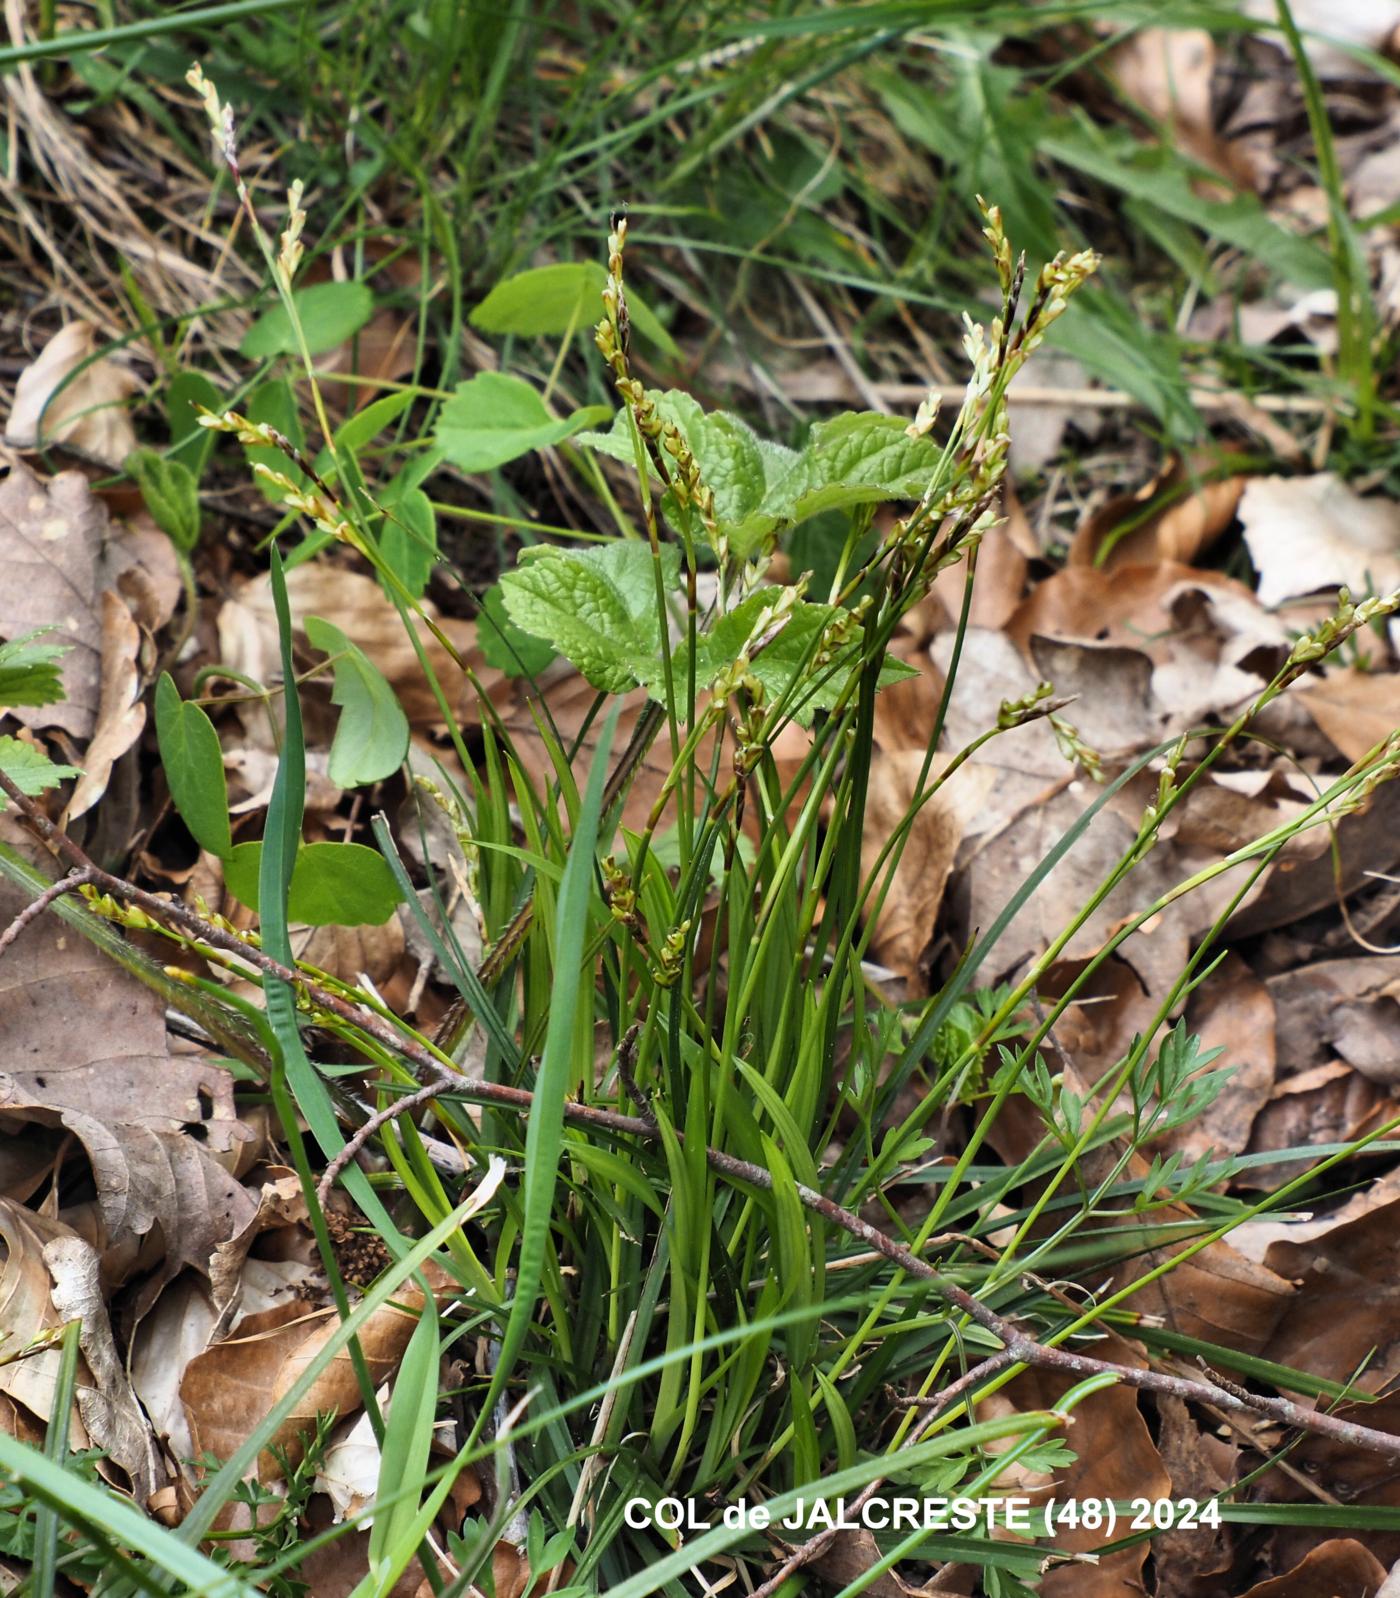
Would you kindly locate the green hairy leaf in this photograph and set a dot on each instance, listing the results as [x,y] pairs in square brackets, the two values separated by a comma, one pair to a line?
[597,606]
[372,738]
[171,493]
[760,488]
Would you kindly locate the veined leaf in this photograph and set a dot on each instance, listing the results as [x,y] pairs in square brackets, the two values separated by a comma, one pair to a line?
[597,606]
[333,884]
[551,299]
[507,647]
[372,737]
[861,457]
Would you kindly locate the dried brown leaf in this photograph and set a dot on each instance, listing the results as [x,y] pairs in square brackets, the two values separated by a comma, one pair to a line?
[61,556]
[1189,520]
[1340,1565]
[1311,533]
[88,412]
[1356,709]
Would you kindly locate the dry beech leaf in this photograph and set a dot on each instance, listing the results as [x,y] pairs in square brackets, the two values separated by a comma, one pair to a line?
[1339,1566]
[111,1414]
[106,1075]
[906,919]
[228,1388]
[383,1339]
[26,1308]
[121,714]
[90,413]
[356,604]
[1168,72]
[1355,709]
[1346,1008]
[61,556]
[1345,1312]
[1311,533]
[1352,1476]
[1115,1459]
[1190,521]
[1200,1466]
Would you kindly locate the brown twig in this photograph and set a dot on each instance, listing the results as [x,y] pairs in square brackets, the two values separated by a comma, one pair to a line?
[36,907]
[1018,1348]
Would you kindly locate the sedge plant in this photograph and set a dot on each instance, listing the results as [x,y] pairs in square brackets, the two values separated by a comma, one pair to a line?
[659,1264]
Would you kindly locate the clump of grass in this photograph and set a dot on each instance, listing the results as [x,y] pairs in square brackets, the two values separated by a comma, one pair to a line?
[674,1282]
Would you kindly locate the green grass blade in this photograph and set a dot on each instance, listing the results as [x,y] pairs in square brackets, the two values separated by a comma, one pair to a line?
[545,1136]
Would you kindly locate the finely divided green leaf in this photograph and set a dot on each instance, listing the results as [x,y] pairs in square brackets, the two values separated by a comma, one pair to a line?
[372,737]
[29,670]
[194,768]
[329,314]
[495,417]
[30,769]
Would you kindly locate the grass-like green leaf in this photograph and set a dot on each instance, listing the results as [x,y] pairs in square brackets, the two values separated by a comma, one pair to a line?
[545,1135]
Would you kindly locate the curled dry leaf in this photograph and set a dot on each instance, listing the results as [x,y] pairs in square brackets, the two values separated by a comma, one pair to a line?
[905,923]
[1168,73]
[1345,1314]
[26,1307]
[1346,1008]
[355,604]
[104,590]
[1307,534]
[1355,709]
[1192,514]
[87,410]
[104,1072]
[1115,1458]
[111,1414]
[1340,1565]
